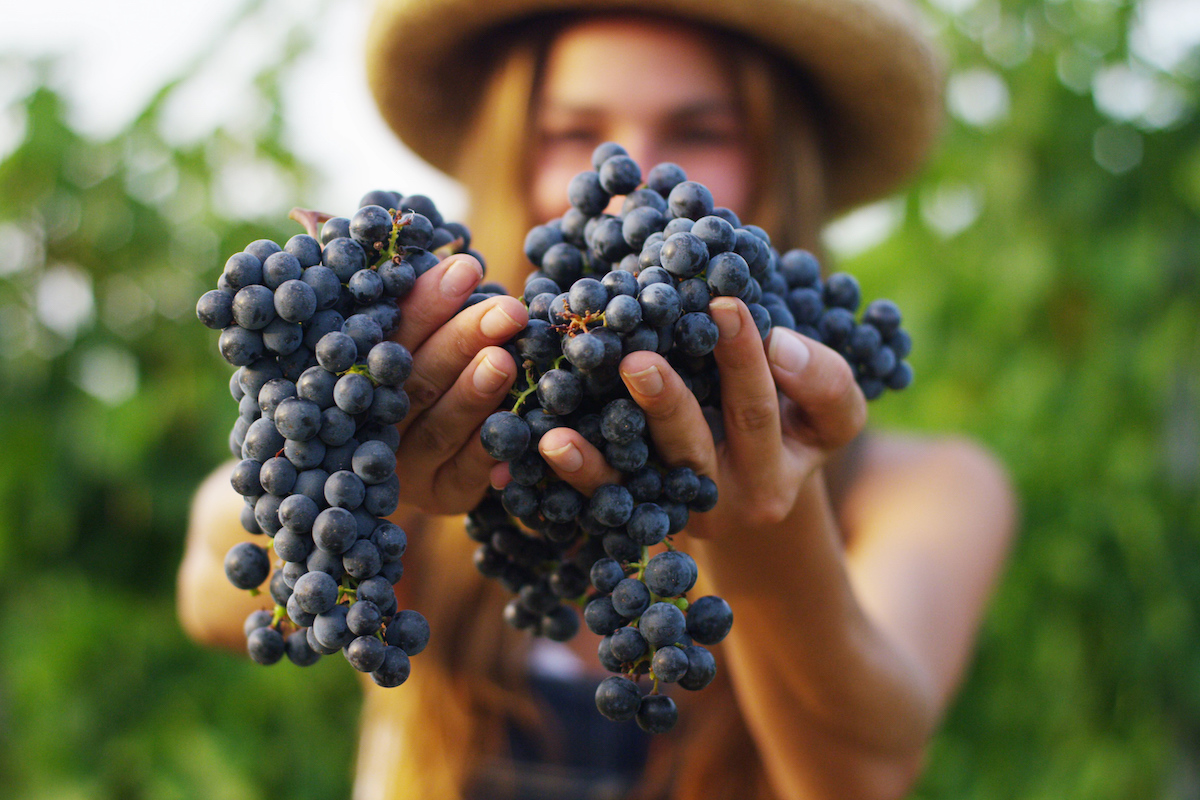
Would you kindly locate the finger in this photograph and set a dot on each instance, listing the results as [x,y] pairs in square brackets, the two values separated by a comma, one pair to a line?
[442,432]
[436,297]
[575,460]
[499,476]
[830,409]
[676,423]
[462,481]
[440,361]
[749,403]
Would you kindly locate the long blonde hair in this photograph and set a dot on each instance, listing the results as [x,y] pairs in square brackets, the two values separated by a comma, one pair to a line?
[428,740]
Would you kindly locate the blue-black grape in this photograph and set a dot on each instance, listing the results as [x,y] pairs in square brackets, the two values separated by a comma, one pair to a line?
[709,619]
[669,664]
[618,698]
[247,565]
[657,713]
[319,390]
[265,645]
[647,288]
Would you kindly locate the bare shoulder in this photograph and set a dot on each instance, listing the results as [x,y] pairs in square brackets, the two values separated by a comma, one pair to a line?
[215,521]
[927,478]
[885,455]
[210,609]
[928,523]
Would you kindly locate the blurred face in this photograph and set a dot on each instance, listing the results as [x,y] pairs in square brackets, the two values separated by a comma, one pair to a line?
[658,88]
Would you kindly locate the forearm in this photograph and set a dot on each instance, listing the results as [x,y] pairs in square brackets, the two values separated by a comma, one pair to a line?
[211,610]
[837,709]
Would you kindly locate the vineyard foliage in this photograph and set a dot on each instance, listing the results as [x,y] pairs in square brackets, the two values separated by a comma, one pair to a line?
[1048,262]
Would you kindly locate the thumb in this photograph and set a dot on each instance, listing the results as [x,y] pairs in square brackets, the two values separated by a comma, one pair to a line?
[829,409]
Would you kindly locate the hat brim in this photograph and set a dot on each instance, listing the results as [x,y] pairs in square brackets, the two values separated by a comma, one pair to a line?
[877,74]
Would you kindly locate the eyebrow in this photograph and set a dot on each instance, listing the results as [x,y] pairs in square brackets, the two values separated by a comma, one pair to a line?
[698,108]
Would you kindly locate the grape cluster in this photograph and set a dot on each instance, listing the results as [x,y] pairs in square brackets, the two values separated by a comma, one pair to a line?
[606,286]
[320,388]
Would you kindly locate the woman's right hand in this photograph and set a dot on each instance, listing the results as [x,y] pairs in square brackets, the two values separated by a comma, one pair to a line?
[460,375]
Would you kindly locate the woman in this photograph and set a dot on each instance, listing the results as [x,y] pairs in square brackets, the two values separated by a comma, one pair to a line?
[857,564]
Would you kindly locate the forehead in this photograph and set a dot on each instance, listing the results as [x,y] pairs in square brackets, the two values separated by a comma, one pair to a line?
[637,64]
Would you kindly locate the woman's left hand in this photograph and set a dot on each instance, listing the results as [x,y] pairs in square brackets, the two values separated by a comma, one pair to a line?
[786,403]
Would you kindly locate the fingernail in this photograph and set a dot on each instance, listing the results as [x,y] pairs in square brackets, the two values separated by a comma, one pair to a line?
[488,377]
[566,458]
[725,313]
[648,382]
[787,352]
[460,277]
[496,323]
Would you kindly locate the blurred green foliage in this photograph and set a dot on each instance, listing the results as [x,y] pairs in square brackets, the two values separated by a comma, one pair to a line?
[115,405]
[1047,263]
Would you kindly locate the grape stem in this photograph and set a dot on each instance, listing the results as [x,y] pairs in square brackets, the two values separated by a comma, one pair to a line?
[451,248]
[531,388]
[311,220]
[364,370]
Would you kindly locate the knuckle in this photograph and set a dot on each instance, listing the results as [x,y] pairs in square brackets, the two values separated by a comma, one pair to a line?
[840,409]
[752,414]
[464,479]
[857,419]
[768,508]
[422,393]
[838,387]
[663,407]
[432,438]
[417,322]
[690,453]
[466,347]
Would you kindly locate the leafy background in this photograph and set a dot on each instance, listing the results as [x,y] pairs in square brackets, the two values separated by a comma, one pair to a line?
[1047,264]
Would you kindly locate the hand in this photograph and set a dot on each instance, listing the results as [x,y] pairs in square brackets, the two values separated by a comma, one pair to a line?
[459,376]
[786,404]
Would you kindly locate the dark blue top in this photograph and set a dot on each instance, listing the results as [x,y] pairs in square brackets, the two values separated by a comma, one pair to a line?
[574,754]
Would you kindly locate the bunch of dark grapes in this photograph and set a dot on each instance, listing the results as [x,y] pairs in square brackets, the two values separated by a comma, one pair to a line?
[320,388]
[606,286]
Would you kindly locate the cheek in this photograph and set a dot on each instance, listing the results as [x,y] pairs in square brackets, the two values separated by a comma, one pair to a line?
[727,176]
[548,190]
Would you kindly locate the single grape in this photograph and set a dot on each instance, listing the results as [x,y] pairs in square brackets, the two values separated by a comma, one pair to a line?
[702,668]
[394,670]
[265,645]
[247,565]
[670,574]
[505,435]
[630,598]
[298,649]
[657,714]
[315,592]
[618,698]
[669,664]
[215,309]
[330,628]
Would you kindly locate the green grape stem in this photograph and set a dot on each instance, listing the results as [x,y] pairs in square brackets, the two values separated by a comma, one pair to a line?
[361,369]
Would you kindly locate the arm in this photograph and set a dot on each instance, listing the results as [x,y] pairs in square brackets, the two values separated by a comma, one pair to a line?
[864,648]
[211,610]
[842,658]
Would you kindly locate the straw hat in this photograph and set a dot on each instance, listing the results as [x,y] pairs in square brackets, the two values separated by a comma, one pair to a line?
[877,74]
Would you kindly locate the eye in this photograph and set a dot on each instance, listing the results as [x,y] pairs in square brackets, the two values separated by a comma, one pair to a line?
[571,134]
[706,135]
[706,129]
